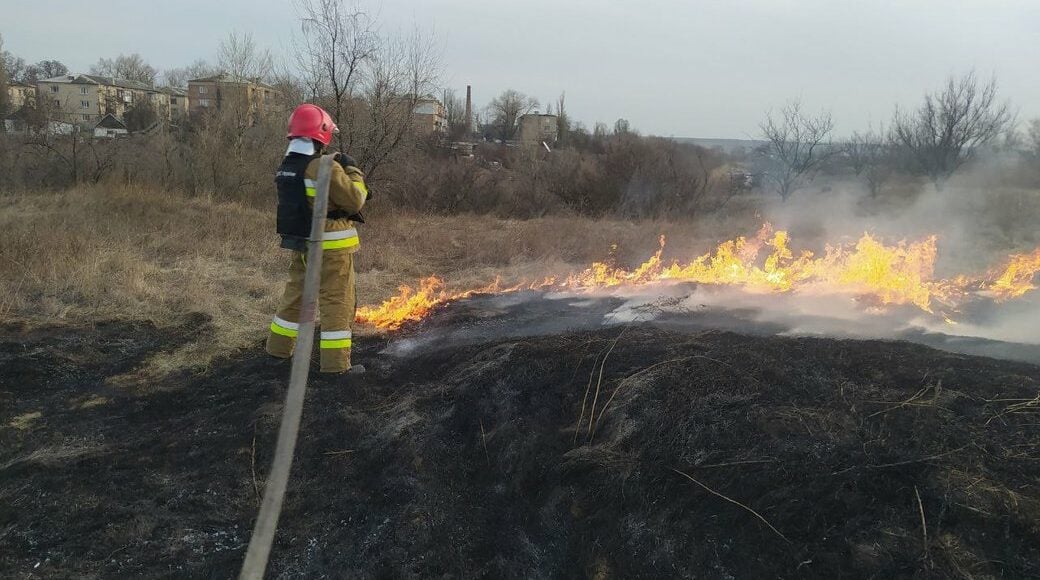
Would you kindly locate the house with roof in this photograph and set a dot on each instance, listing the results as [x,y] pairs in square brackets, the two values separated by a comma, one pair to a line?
[110,126]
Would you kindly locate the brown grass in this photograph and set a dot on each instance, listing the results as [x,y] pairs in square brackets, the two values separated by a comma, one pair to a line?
[93,254]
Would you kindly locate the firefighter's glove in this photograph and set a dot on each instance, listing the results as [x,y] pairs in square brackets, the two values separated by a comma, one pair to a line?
[346,160]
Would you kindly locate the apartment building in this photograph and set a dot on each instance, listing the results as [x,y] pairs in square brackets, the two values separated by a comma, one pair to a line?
[20,95]
[429,116]
[85,99]
[178,100]
[537,128]
[225,92]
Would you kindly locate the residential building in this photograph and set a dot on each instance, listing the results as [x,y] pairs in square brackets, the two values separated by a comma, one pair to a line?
[224,91]
[25,120]
[537,128]
[85,99]
[429,116]
[178,99]
[20,95]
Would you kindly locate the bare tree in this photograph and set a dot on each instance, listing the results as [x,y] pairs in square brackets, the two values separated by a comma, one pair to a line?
[869,155]
[130,67]
[85,158]
[289,86]
[370,85]
[241,58]
[13,65]
[4,98]
[621,127]
[179,77]
[140,116]
[795,145]
[455,111]
[952,124]
[1033,137]
[403,72]
[44,69]
[505,109]
[563,121]
[336,43]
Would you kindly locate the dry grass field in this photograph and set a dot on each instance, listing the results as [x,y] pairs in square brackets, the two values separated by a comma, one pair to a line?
[103,253]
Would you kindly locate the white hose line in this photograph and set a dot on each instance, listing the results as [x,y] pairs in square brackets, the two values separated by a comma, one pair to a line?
[267,521]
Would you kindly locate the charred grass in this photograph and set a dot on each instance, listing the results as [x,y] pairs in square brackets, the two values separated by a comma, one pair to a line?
[705,455]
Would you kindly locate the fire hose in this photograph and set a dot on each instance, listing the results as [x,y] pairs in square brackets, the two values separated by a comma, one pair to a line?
[259,549]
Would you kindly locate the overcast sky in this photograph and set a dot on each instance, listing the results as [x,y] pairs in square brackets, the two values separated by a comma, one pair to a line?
[683,68]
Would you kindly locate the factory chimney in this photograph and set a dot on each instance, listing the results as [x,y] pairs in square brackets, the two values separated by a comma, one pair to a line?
[469,111]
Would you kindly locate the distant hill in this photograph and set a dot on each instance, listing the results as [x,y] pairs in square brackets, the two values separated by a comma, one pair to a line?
[727,145]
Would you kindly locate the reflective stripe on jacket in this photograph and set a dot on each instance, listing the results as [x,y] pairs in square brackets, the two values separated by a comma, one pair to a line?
[347,192]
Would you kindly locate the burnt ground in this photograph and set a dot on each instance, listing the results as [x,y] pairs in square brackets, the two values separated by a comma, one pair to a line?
[709,454]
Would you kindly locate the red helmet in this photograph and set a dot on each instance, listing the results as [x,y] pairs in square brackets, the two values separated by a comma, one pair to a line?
[313,122]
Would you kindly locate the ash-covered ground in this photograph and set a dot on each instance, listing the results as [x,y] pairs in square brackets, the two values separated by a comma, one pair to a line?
[521,437]
[1001,330]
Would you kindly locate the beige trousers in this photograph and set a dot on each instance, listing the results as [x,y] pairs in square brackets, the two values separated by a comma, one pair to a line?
[336,307]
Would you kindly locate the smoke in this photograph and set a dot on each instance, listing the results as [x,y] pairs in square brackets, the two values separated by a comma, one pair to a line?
[980,217]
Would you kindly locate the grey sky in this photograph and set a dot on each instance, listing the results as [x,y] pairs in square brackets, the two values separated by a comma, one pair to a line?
[697,68]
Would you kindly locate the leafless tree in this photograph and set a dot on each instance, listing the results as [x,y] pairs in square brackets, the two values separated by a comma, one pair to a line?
[289,86]
[455,111]
[130,67]
[505,109]
[336,43]
[952,124]
[402,72]
[621,127]
[13,65]
[140,116]
[1033,137]
[85,158]
[241,58]
[369,84]
[563,121]
[44,69]
[4,98]
[796,145]
[869,155]
[179,77]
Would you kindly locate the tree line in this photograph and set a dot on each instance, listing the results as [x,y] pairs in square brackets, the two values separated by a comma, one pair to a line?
[371,81]
[953,126]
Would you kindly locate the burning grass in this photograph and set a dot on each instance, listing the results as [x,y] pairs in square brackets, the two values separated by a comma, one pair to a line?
[879,273]
[132,253]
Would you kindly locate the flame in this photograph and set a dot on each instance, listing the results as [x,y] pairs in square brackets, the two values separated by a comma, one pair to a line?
[898,274]
[1017,276]
[414,304]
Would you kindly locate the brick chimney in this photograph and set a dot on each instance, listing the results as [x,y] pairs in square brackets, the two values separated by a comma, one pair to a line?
[469,111]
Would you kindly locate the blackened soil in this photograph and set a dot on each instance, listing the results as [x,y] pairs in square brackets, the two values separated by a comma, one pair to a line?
[697,455]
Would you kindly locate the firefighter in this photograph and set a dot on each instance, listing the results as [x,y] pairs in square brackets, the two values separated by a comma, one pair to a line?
[310,132]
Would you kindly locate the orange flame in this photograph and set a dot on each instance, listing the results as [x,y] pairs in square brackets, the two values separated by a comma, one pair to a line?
[1017,276]
[886,274]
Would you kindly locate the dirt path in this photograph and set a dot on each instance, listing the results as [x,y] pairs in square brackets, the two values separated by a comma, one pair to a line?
[718,455]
